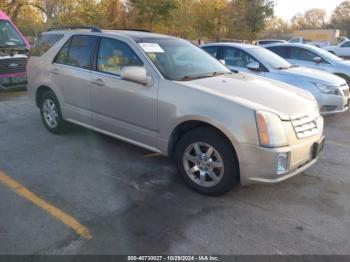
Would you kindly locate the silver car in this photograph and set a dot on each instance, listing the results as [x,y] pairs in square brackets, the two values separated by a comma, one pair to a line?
[313,57]
[169,96]
[330,91]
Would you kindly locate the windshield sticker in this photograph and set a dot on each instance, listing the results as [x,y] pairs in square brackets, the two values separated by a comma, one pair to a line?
[151,48]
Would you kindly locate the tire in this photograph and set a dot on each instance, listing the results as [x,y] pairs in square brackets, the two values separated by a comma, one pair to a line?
[197,175]
[50,109]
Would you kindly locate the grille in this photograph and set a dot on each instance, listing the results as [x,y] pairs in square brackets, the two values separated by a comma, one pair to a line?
[6,68]
[306,126]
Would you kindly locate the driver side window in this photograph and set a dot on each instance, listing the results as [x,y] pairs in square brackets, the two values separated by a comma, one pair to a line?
[113,55]
[236,57]
[302,54]
[346,44]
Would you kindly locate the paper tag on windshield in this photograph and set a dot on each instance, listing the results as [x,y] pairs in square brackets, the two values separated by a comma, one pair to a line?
[151,48]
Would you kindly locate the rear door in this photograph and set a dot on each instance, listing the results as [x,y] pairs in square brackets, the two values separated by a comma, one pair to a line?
[71,72]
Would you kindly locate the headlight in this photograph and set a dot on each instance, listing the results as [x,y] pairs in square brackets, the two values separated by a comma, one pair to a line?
[270,129]
[329,90]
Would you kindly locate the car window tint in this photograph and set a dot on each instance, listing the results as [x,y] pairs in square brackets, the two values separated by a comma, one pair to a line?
[113,55]
[212,50]
[236,57]
[44,43]
[61,57]
[301,54]
[346,44]
[279,50]
[80,51]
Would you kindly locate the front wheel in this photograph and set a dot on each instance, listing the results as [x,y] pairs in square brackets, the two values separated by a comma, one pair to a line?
[51,113]
[207,161]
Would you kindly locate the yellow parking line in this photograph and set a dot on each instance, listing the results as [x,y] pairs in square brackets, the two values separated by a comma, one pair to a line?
[54,211]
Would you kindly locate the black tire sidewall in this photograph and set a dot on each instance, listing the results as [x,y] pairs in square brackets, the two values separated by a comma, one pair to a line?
[225,149]
[60,128]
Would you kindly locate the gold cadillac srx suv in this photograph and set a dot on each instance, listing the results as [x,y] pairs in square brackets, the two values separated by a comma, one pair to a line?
[169,96]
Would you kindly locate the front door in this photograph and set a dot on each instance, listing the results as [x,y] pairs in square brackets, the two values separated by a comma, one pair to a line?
[123,108]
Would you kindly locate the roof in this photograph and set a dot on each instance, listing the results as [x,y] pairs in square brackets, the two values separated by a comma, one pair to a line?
[231,44]
[131,34]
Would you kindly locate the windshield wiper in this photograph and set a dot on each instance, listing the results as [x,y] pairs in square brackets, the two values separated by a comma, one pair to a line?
[192,77]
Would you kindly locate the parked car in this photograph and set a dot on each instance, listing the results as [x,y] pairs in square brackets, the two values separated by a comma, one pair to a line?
[13,55]
[169,96]
[313,57]
[330,91]
[341,50]
[301,40]
[269,41]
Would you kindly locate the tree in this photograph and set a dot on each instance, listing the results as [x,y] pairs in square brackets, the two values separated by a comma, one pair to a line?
[249,18]
[312,19]
[341,17]
[150,13]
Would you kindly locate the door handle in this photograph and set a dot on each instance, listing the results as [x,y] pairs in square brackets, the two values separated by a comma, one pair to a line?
[98,82]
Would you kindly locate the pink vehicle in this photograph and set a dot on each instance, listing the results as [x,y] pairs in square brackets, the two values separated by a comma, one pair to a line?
[13,55]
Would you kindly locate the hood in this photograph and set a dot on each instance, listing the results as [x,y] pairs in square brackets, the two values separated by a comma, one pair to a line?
[314,75]
[259,93]
[344,63]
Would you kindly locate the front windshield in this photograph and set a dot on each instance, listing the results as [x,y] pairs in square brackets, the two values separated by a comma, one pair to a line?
[178,59]
[326,54]
[269,58]
[9,37]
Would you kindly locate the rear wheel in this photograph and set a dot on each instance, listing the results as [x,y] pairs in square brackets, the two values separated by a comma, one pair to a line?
[51,113]
[207,161]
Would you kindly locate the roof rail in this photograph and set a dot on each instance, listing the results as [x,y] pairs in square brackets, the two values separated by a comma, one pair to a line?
[92,28]
[132,29]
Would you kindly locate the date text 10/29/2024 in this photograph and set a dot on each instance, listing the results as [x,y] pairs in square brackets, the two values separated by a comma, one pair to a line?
[173,258]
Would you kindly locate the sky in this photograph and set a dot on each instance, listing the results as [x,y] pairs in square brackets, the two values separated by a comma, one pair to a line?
[288,8]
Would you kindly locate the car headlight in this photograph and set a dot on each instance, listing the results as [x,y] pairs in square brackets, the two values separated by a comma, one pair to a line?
[325,89]
[270,129]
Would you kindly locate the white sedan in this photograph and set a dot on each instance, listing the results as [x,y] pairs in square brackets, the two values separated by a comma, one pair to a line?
[341,50]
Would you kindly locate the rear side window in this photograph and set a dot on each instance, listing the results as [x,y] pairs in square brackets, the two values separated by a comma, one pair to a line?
[77,52]
[282,51]
[44,43]
[212,50]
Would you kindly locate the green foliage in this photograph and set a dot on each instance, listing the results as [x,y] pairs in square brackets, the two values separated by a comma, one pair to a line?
[341,17]
[193,19]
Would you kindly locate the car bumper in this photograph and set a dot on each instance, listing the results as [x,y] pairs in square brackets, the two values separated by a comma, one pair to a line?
[331,104]
[258,165]
[13,81]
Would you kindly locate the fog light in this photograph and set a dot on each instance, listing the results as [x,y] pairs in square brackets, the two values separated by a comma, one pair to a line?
[282,163]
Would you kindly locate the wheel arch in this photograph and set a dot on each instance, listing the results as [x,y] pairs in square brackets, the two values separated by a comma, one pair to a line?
[39,92]
[344,76]
[188,125]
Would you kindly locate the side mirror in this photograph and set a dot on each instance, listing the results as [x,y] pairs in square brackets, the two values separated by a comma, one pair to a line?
[222,61]
[255,66]
[136,74]
[317,59]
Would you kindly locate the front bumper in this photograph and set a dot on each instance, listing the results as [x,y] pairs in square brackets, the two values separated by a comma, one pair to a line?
[13,81]
[258,165]
[333,104]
